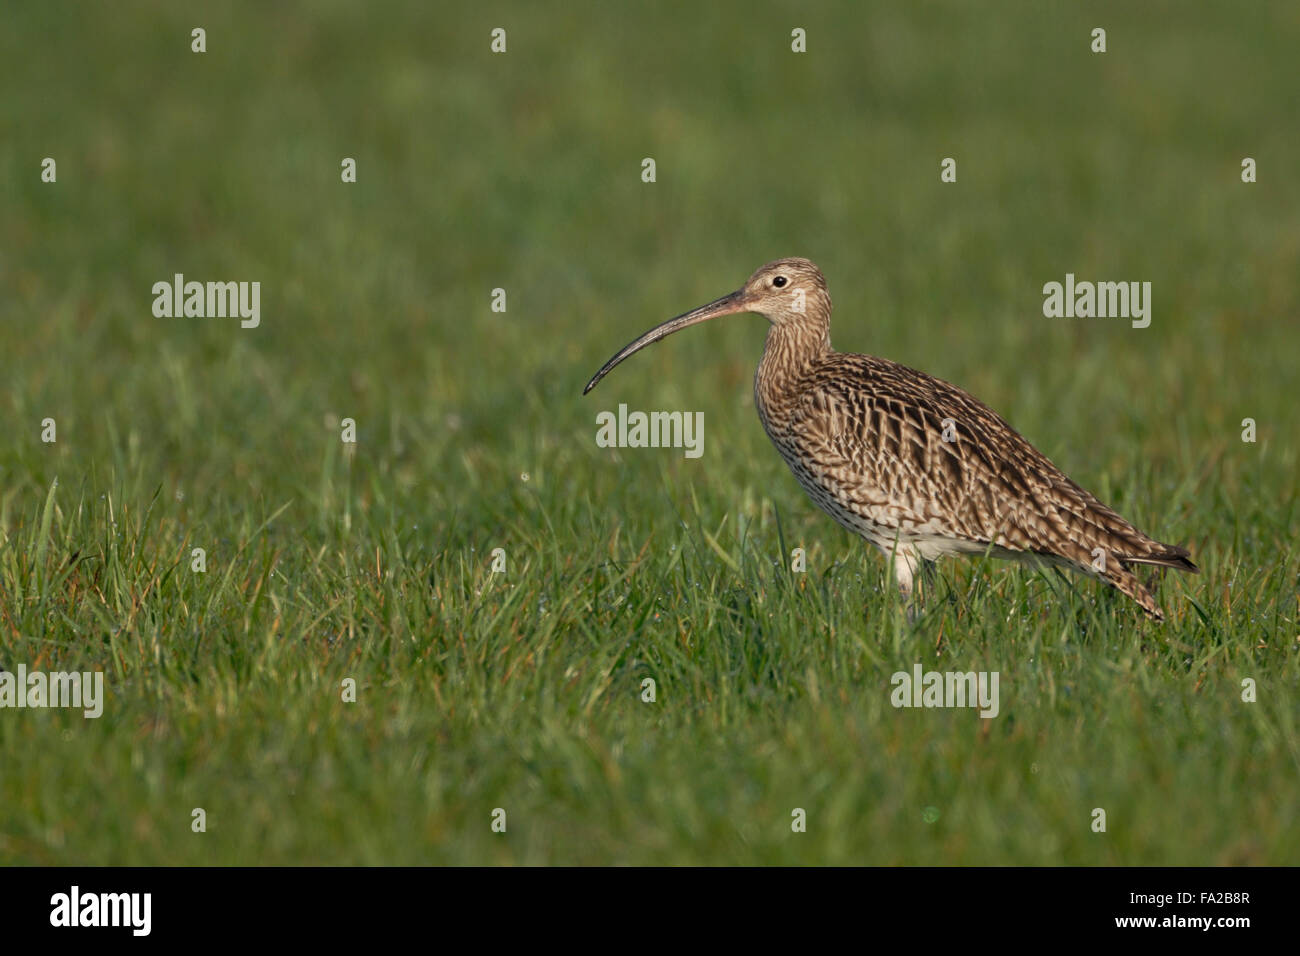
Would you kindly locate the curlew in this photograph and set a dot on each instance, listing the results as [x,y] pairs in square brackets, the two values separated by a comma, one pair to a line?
[913,464]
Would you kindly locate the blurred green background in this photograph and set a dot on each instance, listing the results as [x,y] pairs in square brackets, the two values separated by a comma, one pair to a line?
[522,171]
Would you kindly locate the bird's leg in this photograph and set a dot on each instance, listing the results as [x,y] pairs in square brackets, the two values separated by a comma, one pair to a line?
[906,562]
[929,578]
[930,574]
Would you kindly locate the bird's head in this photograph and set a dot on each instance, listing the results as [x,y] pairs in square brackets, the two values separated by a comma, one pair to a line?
[787,292]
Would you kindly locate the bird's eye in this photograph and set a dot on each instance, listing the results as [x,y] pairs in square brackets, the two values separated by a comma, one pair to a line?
[779,281]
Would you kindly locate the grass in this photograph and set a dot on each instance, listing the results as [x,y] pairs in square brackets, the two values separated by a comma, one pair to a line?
[523,690]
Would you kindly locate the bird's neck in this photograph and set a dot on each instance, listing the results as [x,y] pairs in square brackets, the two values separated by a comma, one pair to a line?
[791,350]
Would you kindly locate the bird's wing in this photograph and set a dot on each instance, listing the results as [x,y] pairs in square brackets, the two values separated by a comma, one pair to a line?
[924,455]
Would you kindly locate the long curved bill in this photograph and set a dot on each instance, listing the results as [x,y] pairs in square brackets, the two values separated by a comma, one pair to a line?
[727,305]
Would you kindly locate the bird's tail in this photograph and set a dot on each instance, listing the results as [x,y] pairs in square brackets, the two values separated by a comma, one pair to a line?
[1126,582]
[1122,578]
[1164,555]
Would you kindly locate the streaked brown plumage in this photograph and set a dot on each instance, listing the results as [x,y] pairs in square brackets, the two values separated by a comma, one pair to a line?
[865,437]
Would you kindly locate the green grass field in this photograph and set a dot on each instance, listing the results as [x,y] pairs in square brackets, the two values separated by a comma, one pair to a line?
[522,690]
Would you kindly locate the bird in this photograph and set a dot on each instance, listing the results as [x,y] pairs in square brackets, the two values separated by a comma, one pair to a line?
[914,465]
